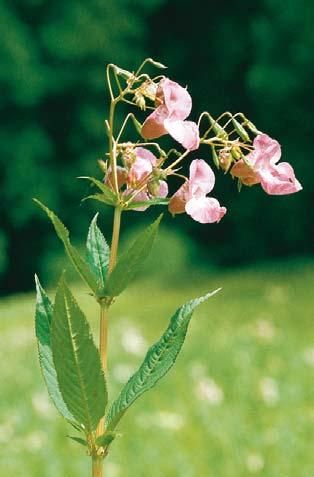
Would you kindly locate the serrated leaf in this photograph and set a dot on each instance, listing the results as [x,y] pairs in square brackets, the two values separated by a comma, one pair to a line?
[98,253]
[106,439]
[79,263]
[147,203]
[130,261]
[79,440]
[43,320]
[158,360]
[108,195]
[77,362]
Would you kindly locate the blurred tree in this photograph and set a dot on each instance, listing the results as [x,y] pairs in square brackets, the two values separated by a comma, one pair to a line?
[255,57]
[52,109]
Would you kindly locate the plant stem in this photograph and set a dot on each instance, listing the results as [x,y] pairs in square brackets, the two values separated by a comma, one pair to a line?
[103,327]
[97,466]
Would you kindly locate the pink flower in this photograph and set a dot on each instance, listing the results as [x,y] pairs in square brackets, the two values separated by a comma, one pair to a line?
[275,179]
[142,167]
[121,177]
[174,106]
[191,197]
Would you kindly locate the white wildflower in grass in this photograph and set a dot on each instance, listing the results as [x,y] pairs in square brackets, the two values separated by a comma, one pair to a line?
[254,463]
[208,390]
[122,372]
[163,419]
[269,391]
[42,405]
[113,469]
[265,330]
[35,441]
[308,356]
[197,370]
[133,342]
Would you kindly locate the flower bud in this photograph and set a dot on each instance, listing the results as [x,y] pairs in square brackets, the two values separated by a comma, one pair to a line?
[225,158]
[215,157]
[240,130]
[102,165]
[218,130]
[236,152]
[153,187]
[140,100]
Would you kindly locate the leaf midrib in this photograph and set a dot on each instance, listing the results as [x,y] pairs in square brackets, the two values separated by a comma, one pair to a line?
[81,381]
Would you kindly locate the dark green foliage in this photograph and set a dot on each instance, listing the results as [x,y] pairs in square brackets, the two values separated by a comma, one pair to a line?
[158,360]
[249,56]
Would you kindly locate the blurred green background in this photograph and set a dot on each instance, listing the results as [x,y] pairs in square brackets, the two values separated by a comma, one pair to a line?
[241,401]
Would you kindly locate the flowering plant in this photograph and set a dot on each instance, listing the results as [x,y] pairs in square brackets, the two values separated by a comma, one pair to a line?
[136,177]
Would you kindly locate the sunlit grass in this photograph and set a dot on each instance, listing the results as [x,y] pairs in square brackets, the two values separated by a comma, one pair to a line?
[240,401]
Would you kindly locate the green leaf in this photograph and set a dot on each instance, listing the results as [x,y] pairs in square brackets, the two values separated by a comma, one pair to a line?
[98,253]
[108,195]
[130,261]
[99,198]
[158,360]
[79,263]
[77,361]
[147,203]
[43,319]
[81,441]
[106,439]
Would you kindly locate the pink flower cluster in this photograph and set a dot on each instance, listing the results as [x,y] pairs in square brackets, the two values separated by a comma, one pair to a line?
[260,166]
[144,179]
[174,105]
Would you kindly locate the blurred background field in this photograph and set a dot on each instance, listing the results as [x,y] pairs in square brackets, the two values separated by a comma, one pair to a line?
[240,402]
[255,57]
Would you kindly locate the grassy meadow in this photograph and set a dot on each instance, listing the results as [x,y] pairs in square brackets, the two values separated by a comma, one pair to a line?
[239,402]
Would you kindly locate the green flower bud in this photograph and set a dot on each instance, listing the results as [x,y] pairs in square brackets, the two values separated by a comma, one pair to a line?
[240,130]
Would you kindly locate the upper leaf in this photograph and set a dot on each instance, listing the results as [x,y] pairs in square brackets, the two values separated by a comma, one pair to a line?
[98,253]
[130,261]
[77,361]
[79,263]
[147,203]
[108,196]
[158,360]
[43,320]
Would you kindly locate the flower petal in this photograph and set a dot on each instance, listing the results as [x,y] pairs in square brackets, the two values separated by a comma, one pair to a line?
[153,126]
[202,178]
[143,153]
[185,132]
[279,180]
[179,199]
[163,189]
[247,175]
[205,210]
[175,98]
[267,151]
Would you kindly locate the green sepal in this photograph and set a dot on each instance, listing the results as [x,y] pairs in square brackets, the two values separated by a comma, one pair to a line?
[79,440]
[158,361]
[79,263]
[98,253]
[109,197]
[43,320]
[106,439]
[77,361]
[131,260]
